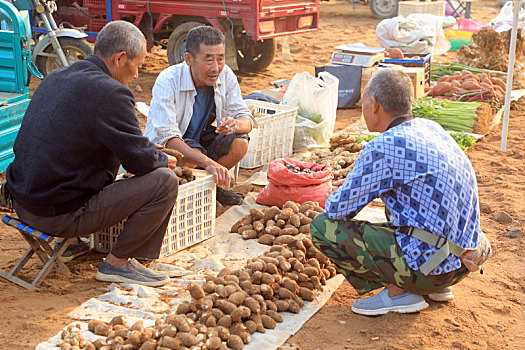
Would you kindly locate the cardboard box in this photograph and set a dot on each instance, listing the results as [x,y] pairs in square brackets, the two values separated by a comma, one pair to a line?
[416,74]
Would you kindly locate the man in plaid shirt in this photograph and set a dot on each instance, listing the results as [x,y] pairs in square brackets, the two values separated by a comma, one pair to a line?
[428,186]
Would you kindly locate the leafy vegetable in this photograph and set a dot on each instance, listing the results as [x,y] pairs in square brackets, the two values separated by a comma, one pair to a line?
[451,115]
[464,141]
[315,117]
[366,138]
[447,68]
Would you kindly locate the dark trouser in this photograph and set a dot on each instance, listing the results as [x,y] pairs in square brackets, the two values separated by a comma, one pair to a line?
[146,201]
[370,258]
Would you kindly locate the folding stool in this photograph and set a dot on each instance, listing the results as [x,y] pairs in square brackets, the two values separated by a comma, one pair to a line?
[39,243]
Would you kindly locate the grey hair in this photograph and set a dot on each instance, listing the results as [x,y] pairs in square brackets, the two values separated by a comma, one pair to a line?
[392,89]
[202,35]
[118,36]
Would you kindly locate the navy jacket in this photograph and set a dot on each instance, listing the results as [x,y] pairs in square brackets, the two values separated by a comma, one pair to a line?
[79,126]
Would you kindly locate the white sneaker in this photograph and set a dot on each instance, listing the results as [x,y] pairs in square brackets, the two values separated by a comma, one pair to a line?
[444,294]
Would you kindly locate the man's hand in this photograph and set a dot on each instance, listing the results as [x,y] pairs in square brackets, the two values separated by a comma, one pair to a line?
[172,162]
[228,126]
[220,173]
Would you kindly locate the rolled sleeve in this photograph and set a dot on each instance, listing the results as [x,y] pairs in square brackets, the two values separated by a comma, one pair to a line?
[235,105]
[162,118]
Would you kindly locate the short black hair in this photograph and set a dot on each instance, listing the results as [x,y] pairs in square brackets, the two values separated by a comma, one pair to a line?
[206,35]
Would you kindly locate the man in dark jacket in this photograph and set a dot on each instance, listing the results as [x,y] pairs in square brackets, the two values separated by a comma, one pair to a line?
[79,127]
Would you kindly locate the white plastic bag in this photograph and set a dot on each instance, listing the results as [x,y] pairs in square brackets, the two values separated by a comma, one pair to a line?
[441,44]
[316,100]
[506,14]
[408,35]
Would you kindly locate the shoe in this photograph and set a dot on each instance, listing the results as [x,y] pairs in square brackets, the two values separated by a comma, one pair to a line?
[381,304]
[227,197]
[444,294]
[73,249]
[131,273]
[5,196]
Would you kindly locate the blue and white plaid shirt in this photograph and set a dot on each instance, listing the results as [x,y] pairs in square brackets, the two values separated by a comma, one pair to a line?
[425,181]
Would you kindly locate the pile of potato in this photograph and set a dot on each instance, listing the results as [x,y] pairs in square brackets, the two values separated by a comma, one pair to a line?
[227,309]
[297,170]
[275,226]
[184,174]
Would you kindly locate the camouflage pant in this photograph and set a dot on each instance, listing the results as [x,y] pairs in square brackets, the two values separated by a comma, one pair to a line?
[369,257]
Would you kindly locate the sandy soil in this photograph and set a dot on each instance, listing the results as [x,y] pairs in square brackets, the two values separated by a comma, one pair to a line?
[488,310]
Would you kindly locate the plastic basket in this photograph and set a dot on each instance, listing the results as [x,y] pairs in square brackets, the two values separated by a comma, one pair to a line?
[192,219]
[273,137]
[422,60]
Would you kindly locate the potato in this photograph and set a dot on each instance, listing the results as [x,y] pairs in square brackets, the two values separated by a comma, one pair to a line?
[226,306]
[290,284]
[99,343]
[149,345]
[204,304]
[252,304]
[211,321]
[220,289]
[314,262]
[225,321]
[266,291]
[270,223]
[306,294]
[287,239]
[187,339]
[273,230]
[93,323]
[284,293]
[300,245]
[213,343]
[294,307]
[244,228]
[236,315]
[287,231]
[258,226]
[291,205]
[311,271]
[268,322]
[269,213]
[237,298]
[179,321]
[250,326]
[395,52]
[332,270]
[266,239]
[231,288]
[101,329]
[223,332]
[118,320]
[171,343]
[196,291]
[316,282]
[295,220]
[284,215]
[256,277]
[235,342]
[256,214]
[122,333]
[244,275]
[246,285]
[304,228]
[299,255]
[257,319]
[275,315]
[178,172]
[249,234]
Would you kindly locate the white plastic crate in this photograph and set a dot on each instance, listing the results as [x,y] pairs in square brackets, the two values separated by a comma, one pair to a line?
[192,219]
[273,138]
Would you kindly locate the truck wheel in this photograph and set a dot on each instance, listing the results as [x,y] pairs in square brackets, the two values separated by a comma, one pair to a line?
[254,55]
[177,42]
[384,8]
[74,49]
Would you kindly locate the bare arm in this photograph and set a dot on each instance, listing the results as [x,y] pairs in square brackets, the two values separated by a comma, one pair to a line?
[194,156]
[230,125]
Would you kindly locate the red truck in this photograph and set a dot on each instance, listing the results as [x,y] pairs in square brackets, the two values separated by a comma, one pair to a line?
[250,26]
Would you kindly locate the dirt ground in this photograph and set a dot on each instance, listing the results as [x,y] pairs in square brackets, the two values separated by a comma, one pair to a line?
[488,310]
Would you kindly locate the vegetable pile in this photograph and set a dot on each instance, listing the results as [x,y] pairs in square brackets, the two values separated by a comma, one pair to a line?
[468,87]
[472,117]
[227,308]
[296,169]
[275,226]
[464,141]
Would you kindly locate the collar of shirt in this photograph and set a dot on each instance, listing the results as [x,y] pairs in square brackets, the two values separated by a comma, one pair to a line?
[400,120]
[99,63]
[187,81]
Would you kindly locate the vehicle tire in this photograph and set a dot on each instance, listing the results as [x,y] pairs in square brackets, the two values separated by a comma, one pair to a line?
[384,8]
[254,55]
[177,42]
[74,49]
